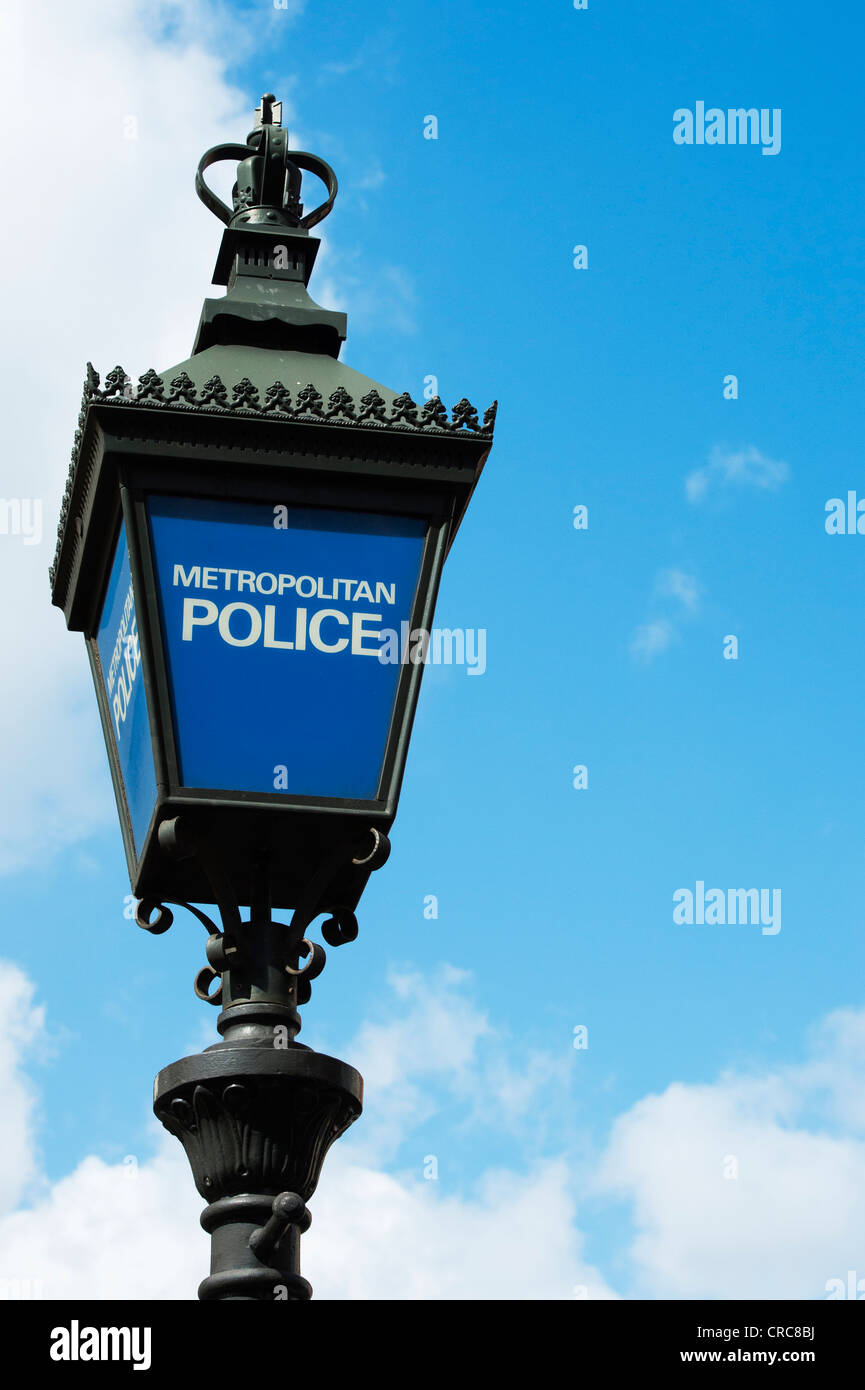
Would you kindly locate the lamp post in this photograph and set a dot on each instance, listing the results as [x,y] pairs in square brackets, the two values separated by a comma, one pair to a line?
[251,543]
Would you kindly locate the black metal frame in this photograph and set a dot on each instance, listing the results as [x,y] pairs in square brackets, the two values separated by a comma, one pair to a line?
[304,817]
[128,448]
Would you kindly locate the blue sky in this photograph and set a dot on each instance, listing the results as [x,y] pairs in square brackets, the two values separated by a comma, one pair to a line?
[454,257]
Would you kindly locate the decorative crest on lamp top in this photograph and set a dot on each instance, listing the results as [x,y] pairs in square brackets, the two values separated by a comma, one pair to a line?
[308,407]
[267,191]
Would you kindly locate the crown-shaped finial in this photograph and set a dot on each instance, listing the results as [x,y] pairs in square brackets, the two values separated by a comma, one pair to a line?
[267,191]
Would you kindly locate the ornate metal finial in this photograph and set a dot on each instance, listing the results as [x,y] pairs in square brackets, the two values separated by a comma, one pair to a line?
[269,112]
[267,191]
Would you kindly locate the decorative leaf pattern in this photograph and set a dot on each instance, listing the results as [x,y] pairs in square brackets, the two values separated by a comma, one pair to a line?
[371,411]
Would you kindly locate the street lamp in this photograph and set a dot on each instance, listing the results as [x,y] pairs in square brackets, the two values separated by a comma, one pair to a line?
[252,543]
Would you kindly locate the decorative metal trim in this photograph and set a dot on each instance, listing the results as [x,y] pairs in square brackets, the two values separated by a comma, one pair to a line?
[230,947]
[369,413]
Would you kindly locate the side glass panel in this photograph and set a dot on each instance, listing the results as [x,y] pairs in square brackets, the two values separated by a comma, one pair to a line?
[123,683]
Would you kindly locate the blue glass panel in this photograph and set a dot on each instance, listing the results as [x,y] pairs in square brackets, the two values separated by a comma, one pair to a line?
[120,660]
[273,620]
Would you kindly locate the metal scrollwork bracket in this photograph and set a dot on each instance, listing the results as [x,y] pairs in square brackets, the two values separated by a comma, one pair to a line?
[223,947]
[341,927]
[228,947]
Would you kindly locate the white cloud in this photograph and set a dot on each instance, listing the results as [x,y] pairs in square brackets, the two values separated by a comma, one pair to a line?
[377,1236]
[131,1231]
[23,1024]
[434,1040]
[117,271]
[793,1218]
[433,1037]
[791,1221]
[833,1073]
[104,1231]
[380,297]
[657,635]
[677,584]
[746,467]
[651,639]
[373,178]
[111,1231]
